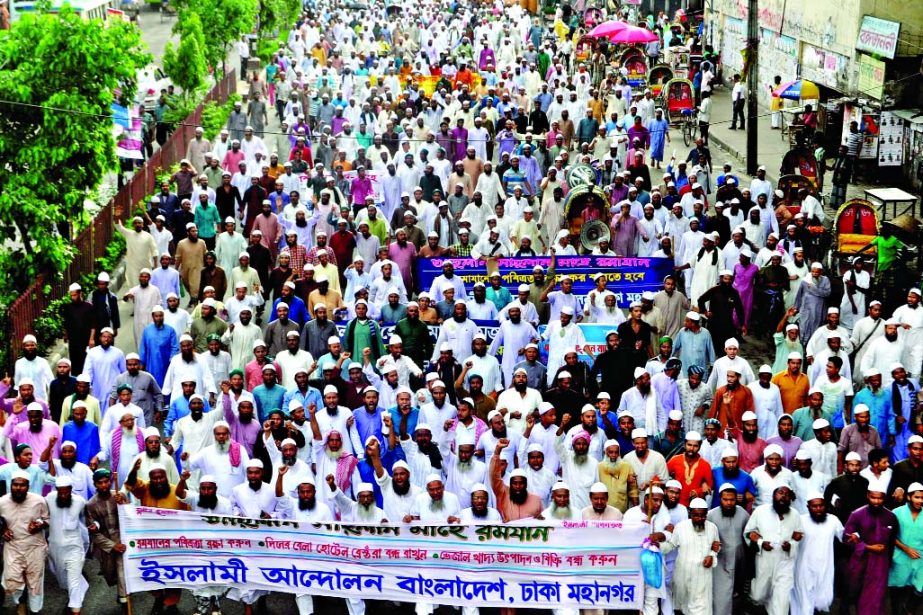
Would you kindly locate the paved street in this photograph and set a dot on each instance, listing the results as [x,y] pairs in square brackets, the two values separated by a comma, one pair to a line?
[156,31]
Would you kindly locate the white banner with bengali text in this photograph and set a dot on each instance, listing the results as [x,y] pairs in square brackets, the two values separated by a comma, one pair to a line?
[577,565]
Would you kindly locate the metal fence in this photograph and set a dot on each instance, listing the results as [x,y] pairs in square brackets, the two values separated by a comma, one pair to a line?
[90,244]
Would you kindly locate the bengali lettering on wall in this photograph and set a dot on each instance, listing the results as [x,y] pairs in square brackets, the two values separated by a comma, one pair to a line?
[878,36]
[591,565]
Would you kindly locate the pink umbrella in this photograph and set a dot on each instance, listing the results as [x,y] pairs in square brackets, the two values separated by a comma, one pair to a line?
[633,34]
[607,28]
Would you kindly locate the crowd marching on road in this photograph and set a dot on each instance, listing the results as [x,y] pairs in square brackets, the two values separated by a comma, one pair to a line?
[285,360]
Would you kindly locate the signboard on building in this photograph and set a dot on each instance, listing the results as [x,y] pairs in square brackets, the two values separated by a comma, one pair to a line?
[871,77]
[878,36]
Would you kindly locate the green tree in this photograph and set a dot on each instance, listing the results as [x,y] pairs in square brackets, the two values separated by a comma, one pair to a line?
[59,75]
[186,65]
[223,22]
[275,15]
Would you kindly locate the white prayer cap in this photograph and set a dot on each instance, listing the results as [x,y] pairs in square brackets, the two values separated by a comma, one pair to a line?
[102,277]
[523,288]
[67,443]
[518,473]
[365,488]
[601,395]
[698,503]
[816,265]
[568,310]
[853,456]
[725,272]
[400,464]
[74,287]
[108,330]
[128,357]
[915,439]
[894,322]
[877,486]
[773,449]
[160,467]
[242,255]
[258,344]
[560,485]
[803,455]
[598,487]
[535,448]
[31,383]
[915,486]
[423,427]
[431,376]
[35,407]
[794,356]
[564,374]
[255,463]
[67,362]
[638,432]
[20,474]
[693,316]
[151,432]
[280,305]
[159,309]
[333,339]
[872,372]
[292,334]
[209,478]
[765,369]
[331,389]
[63,481]
[726,487]
[654,491]
[395,339]
[894,366]
[587,408]
[437,383]
[817,495]
[268,366]
[693,436]
[749,415]
[861,409]
[432,478]
[731,342]
[288,441]
[791,327]
[916,291]
[639,371]
[479,487]
[78,404]
[464,438]
[545,407]
[820,424]
[729,453]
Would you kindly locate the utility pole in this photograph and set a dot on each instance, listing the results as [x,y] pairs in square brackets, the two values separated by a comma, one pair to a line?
[753,42]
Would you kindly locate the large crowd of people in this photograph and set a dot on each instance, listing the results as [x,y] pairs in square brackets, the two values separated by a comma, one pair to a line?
[284,358]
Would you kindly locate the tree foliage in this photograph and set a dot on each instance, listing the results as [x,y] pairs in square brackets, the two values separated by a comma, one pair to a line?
[275,15]
[223,22]
[186,65]
[59,74]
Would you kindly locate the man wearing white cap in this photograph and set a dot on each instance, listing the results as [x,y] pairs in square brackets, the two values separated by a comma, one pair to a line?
[519,401]
[832,327]
[767,402]
[457,331]
[560,507]
[872,530]
[887,347]
[706,264]
[157,345]
[652,511]
[68,540]
[578,467]
[69,467]
[775,530]
[152,453]
[771,475]
[698,543]
[514,335]
[806,480]
[811,301]
[241,337]
[187,365]
[226,460]
[730,519]
[195,431]
[527,310]
[243,272]
[252,497]
[563,335]
[145,297]
[242,298]
[446,280]
[822,449]
[599,508]
[731,361]
[26,515]
[140,249]
[104,364]
[813,590]
[190,260]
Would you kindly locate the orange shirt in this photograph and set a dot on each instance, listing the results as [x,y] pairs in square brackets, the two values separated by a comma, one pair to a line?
[794,390]
[693,478]
[729,414]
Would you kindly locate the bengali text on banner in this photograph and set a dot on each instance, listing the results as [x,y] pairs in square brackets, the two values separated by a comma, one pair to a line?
[578,565]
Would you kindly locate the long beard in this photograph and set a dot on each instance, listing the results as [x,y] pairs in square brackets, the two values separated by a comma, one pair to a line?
[334,455]
[307,504]
[581,459]
[560,513]
[479,514]
[698,525]
[591,429]
[519,497]
[401,489]
[289,461]
[152,455]
[366,513]
[35,428]
[728,512]
[159,491]
[63,502]
[781,508]
[208,501]
[68,463]
[223,447]
[818,517]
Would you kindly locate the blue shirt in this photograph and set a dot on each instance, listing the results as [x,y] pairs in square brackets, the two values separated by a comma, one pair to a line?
[694,348]
[297,310]
[268,399]
[158,345]
[312,396]
[179,408]
[370,425]
[742,482]
[411,420]
[881,415]
[86,437]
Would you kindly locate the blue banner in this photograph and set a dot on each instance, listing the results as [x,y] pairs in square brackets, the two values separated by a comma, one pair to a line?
[627,277]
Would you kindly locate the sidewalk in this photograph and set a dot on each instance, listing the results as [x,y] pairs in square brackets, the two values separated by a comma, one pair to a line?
[731,145]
